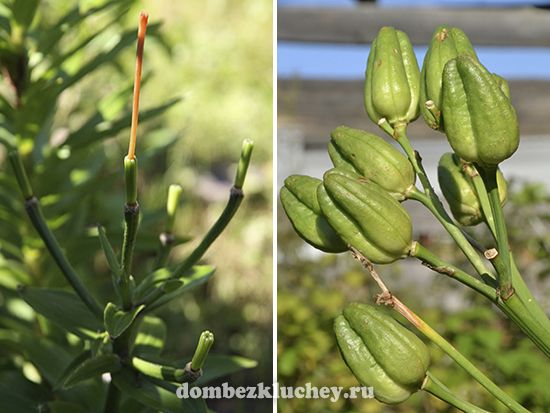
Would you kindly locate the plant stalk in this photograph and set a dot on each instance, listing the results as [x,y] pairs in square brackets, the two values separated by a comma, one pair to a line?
[112,401]
[235,198]
[435,263]
[454,231]
[430,199]
[434,386]
[506,286]
[458,357]
[32,207]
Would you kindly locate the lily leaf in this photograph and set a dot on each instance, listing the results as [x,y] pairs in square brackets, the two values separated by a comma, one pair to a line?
[198,276]
[117,321]
[62,308]
[154,396]
[92,367]
[112,259]
[150,337]
[218,365]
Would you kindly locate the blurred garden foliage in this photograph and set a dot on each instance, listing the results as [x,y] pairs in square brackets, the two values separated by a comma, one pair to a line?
[314,288]
[207,85]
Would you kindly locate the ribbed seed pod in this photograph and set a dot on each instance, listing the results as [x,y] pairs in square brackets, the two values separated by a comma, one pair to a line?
[375,159]
[299,200]
[381,353]
[392,78]
[459,191]
[446,44]
[480,122]
[365,216]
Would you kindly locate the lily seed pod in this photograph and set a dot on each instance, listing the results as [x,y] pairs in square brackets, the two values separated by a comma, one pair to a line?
[459,191]
[392,85]
[365,216]
[446,44]
[299,199]
[381,353]
[338,159]
[502,84]
[375,159]
[480,122]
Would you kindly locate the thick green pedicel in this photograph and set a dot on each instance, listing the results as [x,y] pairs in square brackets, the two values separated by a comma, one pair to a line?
[479,120]
[299,199]
[459,191]
[392,85]
[447,43]
[381,353]
[365,216]
[375,159]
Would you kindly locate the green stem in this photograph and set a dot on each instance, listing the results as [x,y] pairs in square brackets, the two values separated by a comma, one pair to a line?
[514,307]
[32,207]
[454,231]
[235,199]
[518,312]
[524,302]
[506,286]
[20,174]
[458,357]
[131,223]
[482,196]
[430,199]
[166,238]
[163,372]
[439,390]
[112,401]
[166,241]
[236,196]
[435,263]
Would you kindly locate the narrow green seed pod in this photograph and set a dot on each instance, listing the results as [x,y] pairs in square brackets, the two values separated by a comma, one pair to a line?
[480,122]
[392,85]
[375,159]
[365,216]
[459,191]
[446,44]
[381,353]
[299,200]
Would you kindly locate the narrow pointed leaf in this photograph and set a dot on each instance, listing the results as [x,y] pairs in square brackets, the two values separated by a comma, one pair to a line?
[93,367]
[150,337]
[77,361]
[200,275]
[156,397]
[218,365]
[117,321]
[112,259]
[62,308]
[59,406]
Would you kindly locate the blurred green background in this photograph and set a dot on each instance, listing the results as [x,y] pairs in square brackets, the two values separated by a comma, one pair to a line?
[314,288]
[215,59]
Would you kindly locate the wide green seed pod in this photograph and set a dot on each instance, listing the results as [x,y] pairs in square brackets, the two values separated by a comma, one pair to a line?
[375,159]
[392,78]
[299,200]
[446,44]
[480,122]
[381,353]
[365,216]
[459,191]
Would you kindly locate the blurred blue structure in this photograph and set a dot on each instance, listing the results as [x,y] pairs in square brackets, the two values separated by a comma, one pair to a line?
[418,3]
[346,61]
